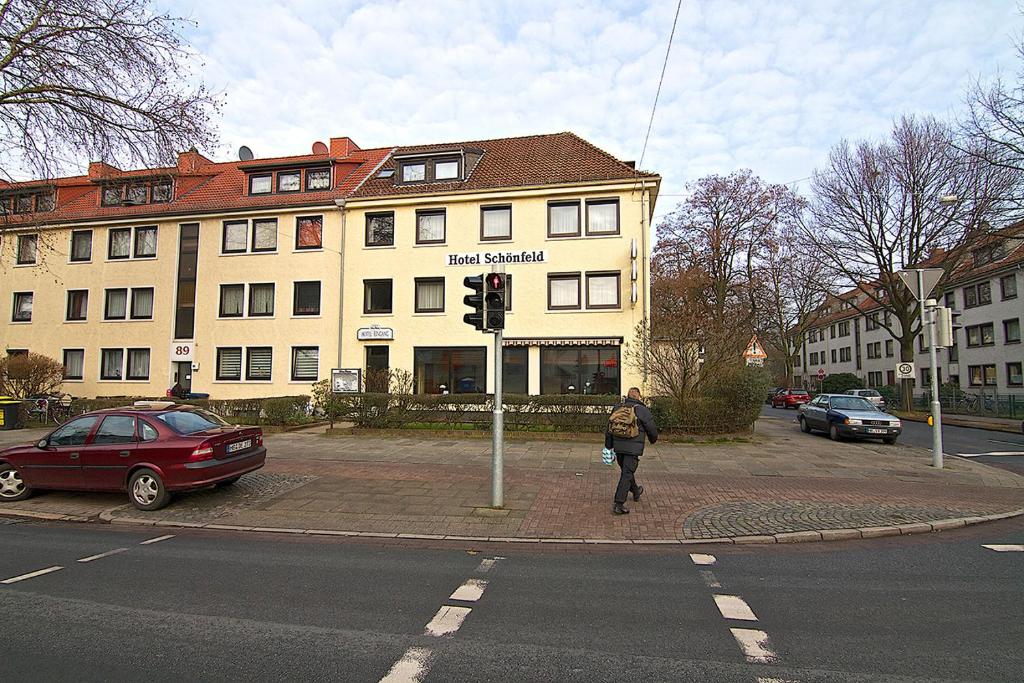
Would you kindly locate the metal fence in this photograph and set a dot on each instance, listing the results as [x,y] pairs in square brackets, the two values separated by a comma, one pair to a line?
[989,404]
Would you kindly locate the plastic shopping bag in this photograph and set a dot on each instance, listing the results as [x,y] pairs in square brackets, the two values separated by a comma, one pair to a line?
[607,456]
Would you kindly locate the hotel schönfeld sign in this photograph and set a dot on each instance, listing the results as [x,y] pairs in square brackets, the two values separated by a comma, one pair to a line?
[497,258]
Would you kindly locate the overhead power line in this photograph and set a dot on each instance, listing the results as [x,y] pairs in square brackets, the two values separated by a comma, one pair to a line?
[657,93]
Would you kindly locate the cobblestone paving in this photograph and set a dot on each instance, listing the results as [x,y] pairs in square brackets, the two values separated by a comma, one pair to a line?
[751,519]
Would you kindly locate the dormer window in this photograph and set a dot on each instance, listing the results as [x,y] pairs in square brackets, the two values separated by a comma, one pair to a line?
[414,172]
[420,170]
[318,179]
[261,184]
[161,192]
[289,181]
[23,203]
[136,193]
[112,195]
[446,170]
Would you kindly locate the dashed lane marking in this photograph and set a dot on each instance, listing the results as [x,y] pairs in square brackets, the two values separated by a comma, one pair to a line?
[734,607]
[776,680]
[701,559]
[411,668]
[755,645]
[157,539]
[470,591]
[1005,547]
[447,621]
[102,555]
[981,455]
[32,575]
[487,564]
[710,580]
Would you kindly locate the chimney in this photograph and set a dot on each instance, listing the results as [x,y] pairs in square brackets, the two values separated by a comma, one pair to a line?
[99,169]
[192,162]
[342,147]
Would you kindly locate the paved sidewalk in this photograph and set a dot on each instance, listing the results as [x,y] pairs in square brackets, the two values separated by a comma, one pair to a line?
[783,482]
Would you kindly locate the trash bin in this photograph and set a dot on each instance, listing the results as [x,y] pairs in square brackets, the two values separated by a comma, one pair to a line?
[9,418]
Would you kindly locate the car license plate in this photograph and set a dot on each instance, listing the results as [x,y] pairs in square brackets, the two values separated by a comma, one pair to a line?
[239,446]
[876,431]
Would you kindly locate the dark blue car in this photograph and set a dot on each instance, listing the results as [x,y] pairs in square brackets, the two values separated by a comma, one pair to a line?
[841,416]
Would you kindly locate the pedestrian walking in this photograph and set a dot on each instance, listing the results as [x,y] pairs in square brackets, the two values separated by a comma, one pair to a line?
[629,424]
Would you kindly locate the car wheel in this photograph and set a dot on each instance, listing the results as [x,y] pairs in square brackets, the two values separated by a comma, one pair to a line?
[146,490]
[889,440]
[228,482]
[12,487]
[833,433]
[804,427]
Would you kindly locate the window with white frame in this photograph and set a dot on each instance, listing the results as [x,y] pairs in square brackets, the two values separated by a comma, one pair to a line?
[142,303]
[115,305]
[232,301]
[261,300]
[112,364]
[74,364]
[305,363]
[138,364]
[78,305]
[229,363]
[602,216]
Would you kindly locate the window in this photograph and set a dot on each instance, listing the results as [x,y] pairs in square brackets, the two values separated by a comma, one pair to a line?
[888,348]
[981,335]
[74,433]
[115,429]
[111,363]
[289,181]
[318,179]
[874,349]
[260,184]
[309,232]
[380,229]
[142,303]
[439,370]
[414,172]
[161,192]
[78,304]
[1013,375]
[796,361]
[515,370]
[602,216]
[1008,286]
[579,370]
[921,342]
[264,234]
[564,219]
[446,170]
[137,194]
[74,363]
[954,350]
[185,302]
[988,254]
[235,238]
[229,363]
[429,295]
[875,379]
[844,328]
[112,195]
[22,312]
[844,354]
[890,377]
[232,298]
[871,322]
[28,246]
[147,432]
[430,226]
[376,296]
[563,291]
[307,298]
[23,203]
[145,242]
[138,364]
[258,362]
[982,375]
[1011,331]
[833,355]
[261,300]
[120,246]
[81,246]
[949,299]
[926,376]
[495,223]
[832,332]
[603,290]
[978,295]
[115,305]
[305,363]
[812,359]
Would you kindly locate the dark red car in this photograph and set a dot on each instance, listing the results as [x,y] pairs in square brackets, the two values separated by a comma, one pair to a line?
[150,450]
[790,398]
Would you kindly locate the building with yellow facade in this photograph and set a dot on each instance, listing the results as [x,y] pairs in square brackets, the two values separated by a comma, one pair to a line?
[258,277]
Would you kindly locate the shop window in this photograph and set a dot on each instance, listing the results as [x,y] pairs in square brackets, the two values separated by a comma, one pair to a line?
[603,217]
[28,247]
[307,298]
[259,363]
[450,370]
[309,232]
[515,370]
[380,229]
[579,370]
[305,363]
[78,305]
[74,364]
[430,295]
[229,364]
[564,219]
[377,296]
[495,223]
[81,246]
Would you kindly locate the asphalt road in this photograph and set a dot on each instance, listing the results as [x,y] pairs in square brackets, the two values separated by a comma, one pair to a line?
[211,606]
[962,441]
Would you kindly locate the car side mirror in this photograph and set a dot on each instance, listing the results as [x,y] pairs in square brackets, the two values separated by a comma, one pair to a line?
[42,443]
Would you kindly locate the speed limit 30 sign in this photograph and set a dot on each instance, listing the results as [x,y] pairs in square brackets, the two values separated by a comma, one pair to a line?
[904,371]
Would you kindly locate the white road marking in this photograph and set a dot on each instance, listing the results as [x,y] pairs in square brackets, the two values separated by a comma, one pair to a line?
[102,555]
[698,558]
[32,575]
[411,668]
[734,607]
[1008,443]
[776,680]
[710,580]
[755,645]
[470,591]
[447,620]
[487,564]
[979,455]
[157,539]
[1005,547]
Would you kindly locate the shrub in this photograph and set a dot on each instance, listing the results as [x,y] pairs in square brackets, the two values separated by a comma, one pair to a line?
[891,394]
[25,375]
[287,410]
[729,402]
[840,383]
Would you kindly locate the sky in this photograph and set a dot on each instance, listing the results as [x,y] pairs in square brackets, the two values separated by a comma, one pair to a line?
[769,85]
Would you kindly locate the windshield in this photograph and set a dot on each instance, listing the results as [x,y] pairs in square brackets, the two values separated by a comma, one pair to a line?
[191,421]
[850,403]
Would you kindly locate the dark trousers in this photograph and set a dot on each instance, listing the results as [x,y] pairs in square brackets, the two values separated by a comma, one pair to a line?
[627,478]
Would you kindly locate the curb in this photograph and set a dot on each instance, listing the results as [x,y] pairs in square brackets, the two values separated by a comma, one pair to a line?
[107,516]
[954,422]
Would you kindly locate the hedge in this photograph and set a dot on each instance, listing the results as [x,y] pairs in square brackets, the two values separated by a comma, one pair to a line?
[279,410]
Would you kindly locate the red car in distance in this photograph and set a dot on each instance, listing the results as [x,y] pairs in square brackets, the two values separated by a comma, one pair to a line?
[150,449]
[790,398]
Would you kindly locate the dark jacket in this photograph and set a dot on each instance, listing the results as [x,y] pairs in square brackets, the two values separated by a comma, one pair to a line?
[644,421]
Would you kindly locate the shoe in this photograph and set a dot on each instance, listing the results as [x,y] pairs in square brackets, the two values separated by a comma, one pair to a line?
[620,509]
[636,494]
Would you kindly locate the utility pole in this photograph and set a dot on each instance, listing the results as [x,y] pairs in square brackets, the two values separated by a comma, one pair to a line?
[498,430]
[921,281]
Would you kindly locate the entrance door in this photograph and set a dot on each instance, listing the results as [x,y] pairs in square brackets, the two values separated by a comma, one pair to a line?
[183,375]
[377,364]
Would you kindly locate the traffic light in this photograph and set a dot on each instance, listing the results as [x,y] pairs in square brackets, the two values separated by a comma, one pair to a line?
[474,300]
[943,326]
[494,301]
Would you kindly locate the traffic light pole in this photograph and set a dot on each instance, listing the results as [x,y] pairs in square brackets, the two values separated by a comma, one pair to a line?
[498,430]
[936,403]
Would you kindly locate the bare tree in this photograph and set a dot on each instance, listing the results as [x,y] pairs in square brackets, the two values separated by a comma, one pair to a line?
[87,80]
[878,209]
